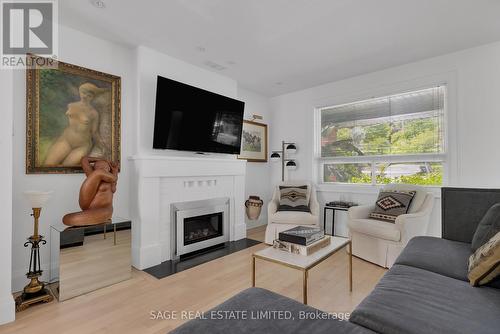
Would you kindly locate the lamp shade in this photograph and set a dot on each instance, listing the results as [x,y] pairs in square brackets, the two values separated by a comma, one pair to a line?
[291,149]
[275,156]
[36,198]
[291,165]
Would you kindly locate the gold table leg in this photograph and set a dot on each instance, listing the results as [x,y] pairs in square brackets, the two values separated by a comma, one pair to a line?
[350,266]
[304,288]
[104,231]
[253,271]
[114,234]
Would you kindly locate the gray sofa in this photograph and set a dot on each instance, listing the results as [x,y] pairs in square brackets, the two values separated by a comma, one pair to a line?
[426,291]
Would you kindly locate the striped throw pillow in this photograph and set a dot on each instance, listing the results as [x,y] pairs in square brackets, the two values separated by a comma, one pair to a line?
[294,198]
[484,263]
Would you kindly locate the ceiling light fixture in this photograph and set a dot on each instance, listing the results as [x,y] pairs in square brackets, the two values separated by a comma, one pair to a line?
[201,49]
[214,65]
[98,4]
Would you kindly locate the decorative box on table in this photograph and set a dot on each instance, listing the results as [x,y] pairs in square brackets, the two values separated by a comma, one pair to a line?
[87,258]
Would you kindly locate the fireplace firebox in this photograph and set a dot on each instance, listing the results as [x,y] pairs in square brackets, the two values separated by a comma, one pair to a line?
[200,224]
[200,228]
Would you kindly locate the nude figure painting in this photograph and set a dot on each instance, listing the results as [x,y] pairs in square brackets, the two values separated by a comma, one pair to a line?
[72,112]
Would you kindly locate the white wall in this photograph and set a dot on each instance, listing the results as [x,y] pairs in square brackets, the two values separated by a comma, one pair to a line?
[150,64]
[473,78]
[258,173]
[84,50]
[6,96]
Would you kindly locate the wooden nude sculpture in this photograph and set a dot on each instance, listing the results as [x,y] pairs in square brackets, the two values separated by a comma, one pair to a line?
[96,193]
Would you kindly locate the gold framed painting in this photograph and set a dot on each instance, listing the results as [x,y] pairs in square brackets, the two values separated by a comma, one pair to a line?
[254,142]
[71,112]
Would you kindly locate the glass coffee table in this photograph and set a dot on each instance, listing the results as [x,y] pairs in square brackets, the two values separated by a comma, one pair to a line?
[302,262]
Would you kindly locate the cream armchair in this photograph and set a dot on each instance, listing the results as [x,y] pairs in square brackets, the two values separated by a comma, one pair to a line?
[381,242]
[279,221]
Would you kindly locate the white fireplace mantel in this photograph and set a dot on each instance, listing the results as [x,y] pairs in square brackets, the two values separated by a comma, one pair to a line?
[159,181]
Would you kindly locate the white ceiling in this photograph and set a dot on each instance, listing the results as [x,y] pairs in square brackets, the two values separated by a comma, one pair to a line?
[298,43]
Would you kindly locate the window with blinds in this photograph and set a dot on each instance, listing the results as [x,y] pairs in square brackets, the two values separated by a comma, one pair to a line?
[392,139]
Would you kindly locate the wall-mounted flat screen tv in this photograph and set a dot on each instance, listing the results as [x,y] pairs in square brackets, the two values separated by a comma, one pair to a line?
[193,119]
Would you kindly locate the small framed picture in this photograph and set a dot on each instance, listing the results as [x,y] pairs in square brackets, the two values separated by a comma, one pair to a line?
[254,142]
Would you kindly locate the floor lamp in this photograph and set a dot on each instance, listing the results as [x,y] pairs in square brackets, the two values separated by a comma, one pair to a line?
[287,149]
[35,291]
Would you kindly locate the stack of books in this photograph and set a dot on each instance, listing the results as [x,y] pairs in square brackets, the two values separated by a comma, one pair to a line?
[341,204]
[302,240]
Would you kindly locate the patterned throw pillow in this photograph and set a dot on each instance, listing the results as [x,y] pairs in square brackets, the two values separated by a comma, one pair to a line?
[293,198]
[391,204]
[487,227]
[484,263]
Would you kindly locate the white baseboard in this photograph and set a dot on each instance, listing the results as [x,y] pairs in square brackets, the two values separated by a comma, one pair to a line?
[240,232]
[7,309]
[256,223]
[146,256]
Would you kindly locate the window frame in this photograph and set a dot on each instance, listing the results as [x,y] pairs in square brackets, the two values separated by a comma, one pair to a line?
[442,157]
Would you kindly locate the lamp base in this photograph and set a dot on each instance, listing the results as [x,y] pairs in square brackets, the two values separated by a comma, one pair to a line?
[25,300]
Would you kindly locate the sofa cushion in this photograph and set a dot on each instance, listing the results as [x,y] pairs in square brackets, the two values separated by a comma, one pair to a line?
[254,300]
[294,217]
[487,228]
[376,228]
[484,264]
[412,300]
[495,283]
[445,257]
[392,203]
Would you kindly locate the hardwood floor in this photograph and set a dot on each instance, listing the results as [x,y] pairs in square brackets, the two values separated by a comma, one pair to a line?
[126,307]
